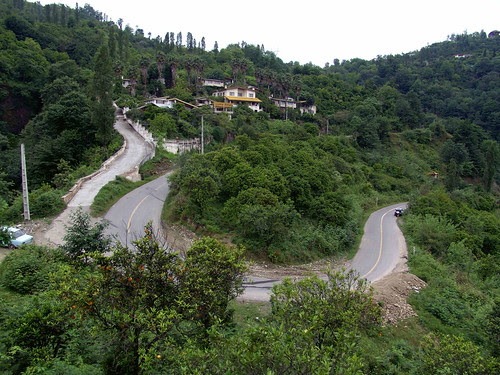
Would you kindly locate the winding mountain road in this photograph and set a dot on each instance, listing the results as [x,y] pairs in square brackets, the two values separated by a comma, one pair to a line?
[381,248]
[134,151]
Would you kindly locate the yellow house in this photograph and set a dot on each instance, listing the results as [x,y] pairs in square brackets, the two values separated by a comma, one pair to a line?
[237,95]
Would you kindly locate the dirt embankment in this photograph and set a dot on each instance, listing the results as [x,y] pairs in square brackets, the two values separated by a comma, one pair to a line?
[391,292]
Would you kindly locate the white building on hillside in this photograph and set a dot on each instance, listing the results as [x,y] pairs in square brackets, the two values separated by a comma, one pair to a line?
[238,95]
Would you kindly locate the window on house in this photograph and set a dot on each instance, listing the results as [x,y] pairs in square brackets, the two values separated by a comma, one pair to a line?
[240,94]
[231,93]
[250,94]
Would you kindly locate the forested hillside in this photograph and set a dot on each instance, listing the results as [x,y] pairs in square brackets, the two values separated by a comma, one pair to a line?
[282,186]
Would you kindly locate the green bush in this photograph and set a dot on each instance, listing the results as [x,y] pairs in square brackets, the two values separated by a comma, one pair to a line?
[449,354]
[432,233]
[425,266]
[423,136]
[13,213]
[399,358]
[59,367]
[45,202]
[26,270]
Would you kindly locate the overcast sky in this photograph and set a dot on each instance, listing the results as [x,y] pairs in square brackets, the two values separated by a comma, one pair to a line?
[315,31]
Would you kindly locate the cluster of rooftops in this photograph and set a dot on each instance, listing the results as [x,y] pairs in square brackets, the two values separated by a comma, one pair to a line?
[231,97]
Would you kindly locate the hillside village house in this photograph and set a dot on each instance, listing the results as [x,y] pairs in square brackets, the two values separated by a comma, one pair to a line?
[237,95]
[290,103]
[165,102]
[130,85]
[214,82]
[126,82]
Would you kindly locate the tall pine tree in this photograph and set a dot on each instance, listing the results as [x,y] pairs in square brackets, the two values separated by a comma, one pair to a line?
[102,100]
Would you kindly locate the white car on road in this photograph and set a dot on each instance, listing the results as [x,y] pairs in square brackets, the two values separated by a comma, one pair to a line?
[18,237]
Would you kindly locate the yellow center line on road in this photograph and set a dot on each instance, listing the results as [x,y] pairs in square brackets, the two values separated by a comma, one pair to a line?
[133,212]
[159,187]
[129,223]
[380,248]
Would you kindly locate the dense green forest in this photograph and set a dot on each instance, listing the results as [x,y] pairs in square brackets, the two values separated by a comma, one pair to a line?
[284,187]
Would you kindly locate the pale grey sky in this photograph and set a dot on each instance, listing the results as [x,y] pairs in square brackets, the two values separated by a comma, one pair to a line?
[315,31]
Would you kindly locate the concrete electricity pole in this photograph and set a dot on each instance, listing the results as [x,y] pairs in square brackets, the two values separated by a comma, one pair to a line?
[202,136]
[24,183]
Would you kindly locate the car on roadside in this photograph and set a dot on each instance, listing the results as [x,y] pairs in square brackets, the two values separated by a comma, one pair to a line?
[14,237]
[398,211]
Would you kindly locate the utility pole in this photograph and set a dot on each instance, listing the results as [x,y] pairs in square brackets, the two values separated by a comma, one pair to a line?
[24,183]
[202,140]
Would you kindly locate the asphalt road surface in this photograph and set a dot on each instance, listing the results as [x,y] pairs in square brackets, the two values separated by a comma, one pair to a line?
[128,217]
[382,245]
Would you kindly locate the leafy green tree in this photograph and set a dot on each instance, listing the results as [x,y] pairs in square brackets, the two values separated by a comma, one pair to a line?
[150,300]
[471,136]
[452,180]
[38,332]
[21,27]
[211,277]
[61,131]
[366,133]
[35,321]
[31,64]
[259,216]
[493,329]
[447,354]
[53,92]
[45,202]
[433,233]
[332,208]
[132,296]
[313,328]
[436,202]
[491,151]
[163,126]
[27,270]
[236,179]
[199,182]
[341,304]
[388,97]
[459,153]
[83,239]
